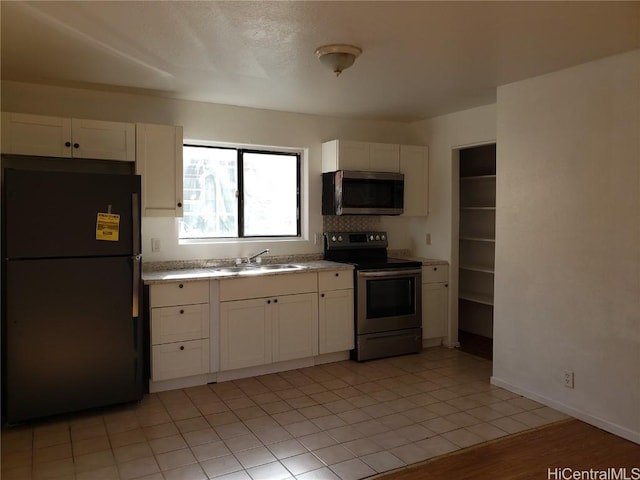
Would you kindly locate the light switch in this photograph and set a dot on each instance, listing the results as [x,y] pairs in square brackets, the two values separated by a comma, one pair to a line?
[155,244]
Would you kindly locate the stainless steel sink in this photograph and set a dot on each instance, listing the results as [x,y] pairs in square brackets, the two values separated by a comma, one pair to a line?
[258,269]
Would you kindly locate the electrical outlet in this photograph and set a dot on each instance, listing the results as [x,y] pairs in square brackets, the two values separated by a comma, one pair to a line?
[428,238]
[568,378]
[155,244]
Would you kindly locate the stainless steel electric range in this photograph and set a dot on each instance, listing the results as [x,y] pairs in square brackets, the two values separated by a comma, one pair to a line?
[388,294]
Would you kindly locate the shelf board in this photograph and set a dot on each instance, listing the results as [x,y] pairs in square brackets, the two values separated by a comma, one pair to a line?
[477,239]
[479,208]
[478,268]
[476,297]
[479,177]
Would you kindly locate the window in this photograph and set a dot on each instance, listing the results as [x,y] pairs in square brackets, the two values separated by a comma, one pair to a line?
[236,193]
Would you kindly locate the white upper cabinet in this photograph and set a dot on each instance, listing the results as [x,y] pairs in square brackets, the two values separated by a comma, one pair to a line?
[159,161]
[360,156]
[47,136]
[414,164]
[384,157]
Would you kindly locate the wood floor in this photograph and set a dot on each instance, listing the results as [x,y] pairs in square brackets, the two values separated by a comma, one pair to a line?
[566,444]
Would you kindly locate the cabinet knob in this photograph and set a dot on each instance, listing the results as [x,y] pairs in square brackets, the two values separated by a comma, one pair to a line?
[435,269]
[268,301]
[179,204]
[76,145]
[446,284]
[67,144]
[275,301]
[322,295]
[337,274]
[181,312]
[181,286]
[181,347]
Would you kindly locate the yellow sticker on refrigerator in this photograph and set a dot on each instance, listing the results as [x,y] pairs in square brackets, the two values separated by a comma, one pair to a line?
[107,227]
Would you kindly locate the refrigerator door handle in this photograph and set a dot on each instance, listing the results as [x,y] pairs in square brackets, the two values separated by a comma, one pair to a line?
[137,256]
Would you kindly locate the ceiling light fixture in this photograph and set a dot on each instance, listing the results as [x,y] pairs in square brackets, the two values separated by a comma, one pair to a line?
[338,57]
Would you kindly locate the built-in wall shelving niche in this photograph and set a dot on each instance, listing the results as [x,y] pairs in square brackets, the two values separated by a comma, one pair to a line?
[477,212]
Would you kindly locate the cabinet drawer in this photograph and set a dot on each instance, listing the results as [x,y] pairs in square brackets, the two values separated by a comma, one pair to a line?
[178,324]
[180,359]
[268,286]
[178,293]
[435,274]
[335,280]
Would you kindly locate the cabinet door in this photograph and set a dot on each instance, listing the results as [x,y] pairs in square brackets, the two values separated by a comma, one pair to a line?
[103,140]
[336,321]
[384,157]
[435,301]
[245,333]
[353,155]
[159,161]
[36,135]
[414,163]
[294,326]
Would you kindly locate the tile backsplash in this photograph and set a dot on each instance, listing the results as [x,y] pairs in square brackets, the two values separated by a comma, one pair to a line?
[350,223]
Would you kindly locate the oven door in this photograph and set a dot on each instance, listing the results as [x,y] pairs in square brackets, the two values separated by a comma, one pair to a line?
[388,300]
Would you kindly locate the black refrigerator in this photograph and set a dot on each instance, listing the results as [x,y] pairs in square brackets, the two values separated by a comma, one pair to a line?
[72,326]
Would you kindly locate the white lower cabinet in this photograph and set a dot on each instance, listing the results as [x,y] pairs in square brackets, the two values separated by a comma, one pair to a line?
[274,327]
[435,301]
[179,330]
[245,340]
[335,311]
[294,326]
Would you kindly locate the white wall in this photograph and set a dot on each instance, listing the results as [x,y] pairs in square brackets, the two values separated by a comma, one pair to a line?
[217,123]
[567,289]
[444,135]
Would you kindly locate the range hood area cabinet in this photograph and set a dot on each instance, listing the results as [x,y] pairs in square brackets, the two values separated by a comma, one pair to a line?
[48,136]
[159,161]
[411,160]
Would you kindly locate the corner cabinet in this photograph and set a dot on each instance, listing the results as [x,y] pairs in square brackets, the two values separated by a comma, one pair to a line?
[48,136]
[336,311]
[159,161]
[477,239]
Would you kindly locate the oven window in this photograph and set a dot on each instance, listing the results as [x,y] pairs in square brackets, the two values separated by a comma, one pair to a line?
[391,297]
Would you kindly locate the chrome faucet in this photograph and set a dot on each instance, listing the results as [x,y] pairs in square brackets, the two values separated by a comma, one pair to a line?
[253,257]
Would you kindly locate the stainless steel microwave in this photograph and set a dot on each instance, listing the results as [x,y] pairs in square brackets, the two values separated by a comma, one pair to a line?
[362,193]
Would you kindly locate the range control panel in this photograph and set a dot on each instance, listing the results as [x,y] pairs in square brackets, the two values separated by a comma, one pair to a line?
[343,240]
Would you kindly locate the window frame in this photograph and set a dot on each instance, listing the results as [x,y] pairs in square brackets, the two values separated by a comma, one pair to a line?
[240,151]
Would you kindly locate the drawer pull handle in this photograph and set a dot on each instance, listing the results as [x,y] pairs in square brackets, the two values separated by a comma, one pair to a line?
[435,269]
[268,301]
[337,274]
[181,312]
[181,347]
[181,286]
[275,301]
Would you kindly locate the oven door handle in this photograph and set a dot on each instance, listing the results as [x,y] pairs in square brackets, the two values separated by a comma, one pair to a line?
[388,273]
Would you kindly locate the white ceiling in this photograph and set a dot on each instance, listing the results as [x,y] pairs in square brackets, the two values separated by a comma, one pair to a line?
[420,59]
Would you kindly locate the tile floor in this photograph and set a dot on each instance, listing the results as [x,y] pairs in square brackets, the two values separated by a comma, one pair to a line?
[339,421]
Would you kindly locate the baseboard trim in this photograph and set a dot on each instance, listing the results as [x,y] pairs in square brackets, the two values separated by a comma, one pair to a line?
[596,421]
